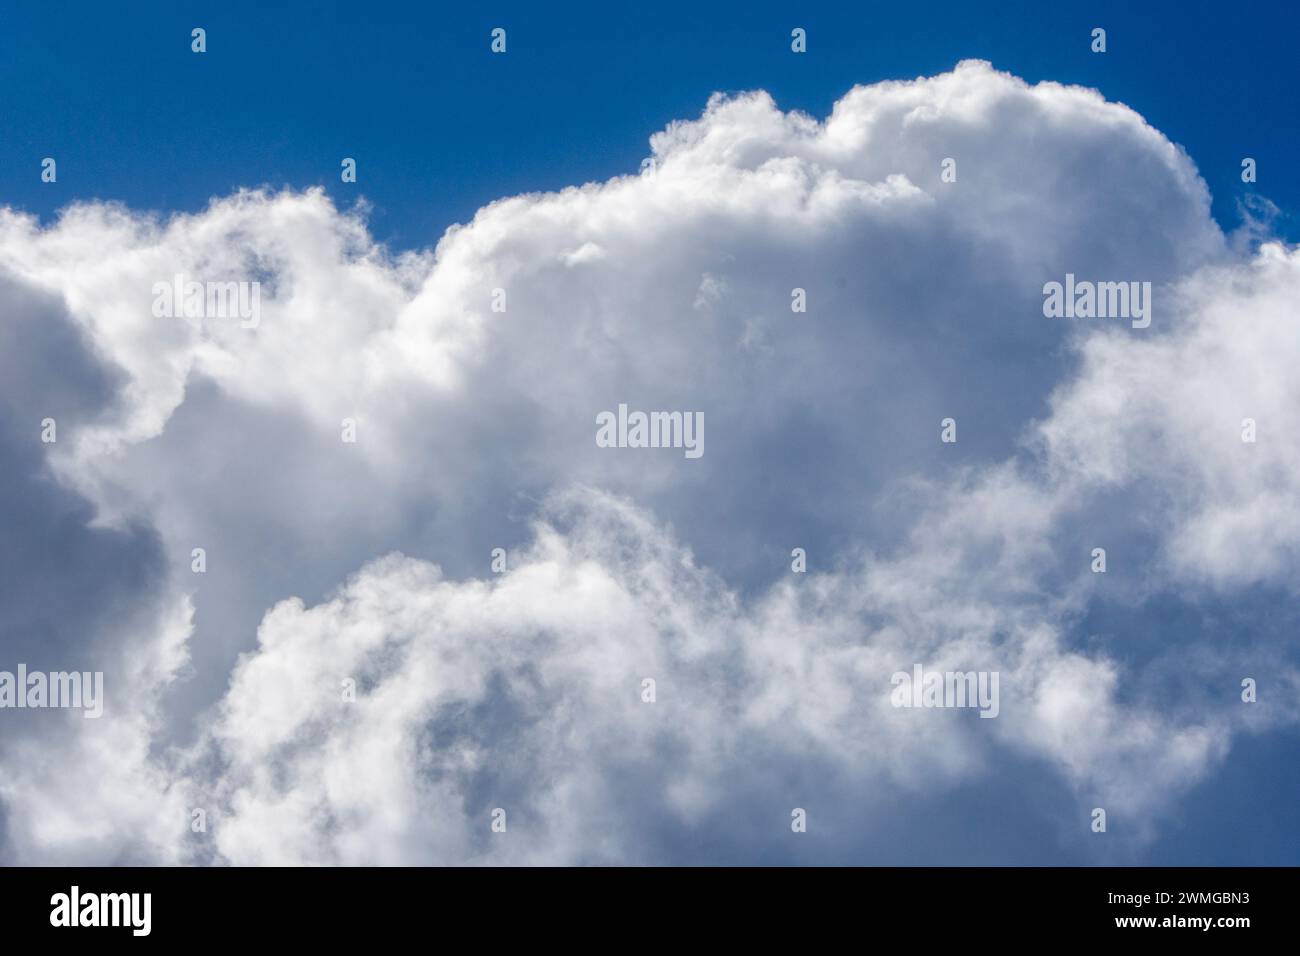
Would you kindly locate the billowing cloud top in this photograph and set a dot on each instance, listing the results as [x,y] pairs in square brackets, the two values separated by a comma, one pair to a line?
[348,680]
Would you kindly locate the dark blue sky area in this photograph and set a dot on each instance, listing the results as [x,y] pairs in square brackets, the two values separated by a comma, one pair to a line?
[440,126]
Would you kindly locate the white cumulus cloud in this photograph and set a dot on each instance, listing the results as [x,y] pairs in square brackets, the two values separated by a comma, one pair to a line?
[670,289]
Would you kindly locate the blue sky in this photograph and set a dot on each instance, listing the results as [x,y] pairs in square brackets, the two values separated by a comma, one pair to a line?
[440,126]
[669,289]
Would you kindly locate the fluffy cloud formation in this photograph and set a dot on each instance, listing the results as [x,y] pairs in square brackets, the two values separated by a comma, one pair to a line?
[666,290]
